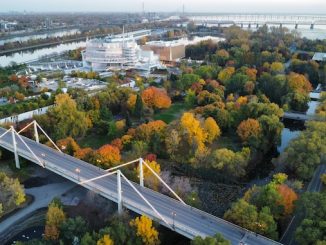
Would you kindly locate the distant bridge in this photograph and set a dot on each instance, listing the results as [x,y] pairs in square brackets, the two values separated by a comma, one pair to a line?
[256,20]
[113,185]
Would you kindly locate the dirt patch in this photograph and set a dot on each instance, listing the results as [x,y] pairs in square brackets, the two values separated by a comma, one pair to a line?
[217,198]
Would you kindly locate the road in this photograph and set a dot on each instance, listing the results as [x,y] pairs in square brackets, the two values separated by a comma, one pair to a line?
[315,185]
[42,197]
[187,220]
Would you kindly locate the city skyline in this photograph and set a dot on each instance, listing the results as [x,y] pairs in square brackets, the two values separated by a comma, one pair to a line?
[231,6]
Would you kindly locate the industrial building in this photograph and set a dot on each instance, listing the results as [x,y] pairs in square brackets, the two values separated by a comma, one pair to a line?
[168,51]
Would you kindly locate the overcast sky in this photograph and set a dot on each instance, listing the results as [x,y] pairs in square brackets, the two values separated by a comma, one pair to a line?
[252,6]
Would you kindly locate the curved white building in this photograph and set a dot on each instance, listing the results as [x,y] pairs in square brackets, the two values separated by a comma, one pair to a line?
[117,52]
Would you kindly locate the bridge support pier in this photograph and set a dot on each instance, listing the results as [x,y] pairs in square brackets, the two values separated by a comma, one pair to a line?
[312,26]
[14,143]
[141,172]
[119,191]
[296,26]
[36,133]
[249,26]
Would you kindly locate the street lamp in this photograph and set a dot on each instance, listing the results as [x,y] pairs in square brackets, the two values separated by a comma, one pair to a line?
[78,172]
[173,217]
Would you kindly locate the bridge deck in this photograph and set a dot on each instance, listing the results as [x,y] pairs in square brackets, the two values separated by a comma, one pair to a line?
[188,221]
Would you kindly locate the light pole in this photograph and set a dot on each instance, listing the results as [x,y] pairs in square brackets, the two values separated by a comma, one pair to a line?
[78,172]
[173,217]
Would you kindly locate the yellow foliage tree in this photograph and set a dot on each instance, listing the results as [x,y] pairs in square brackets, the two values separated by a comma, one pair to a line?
[226,74]
[196,134]
[145,230]
[131,102]
[149,178]
[54,218]
[105,240]
[277,67]
[212,129]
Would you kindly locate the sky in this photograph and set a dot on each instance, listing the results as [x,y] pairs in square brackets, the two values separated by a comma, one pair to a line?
[216,6]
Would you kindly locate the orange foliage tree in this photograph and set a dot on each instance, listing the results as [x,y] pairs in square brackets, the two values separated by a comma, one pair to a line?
[156,98]
[288,198]
[248,128]
[83,153]
[108,155]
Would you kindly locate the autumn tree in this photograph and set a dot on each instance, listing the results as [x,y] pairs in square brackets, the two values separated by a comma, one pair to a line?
[145,230]
[249,130]
[54,218]
[12,193]
[149,178]
[68,145]
[156,98]
[212,129]
[277,67]
[226,74]
[105,240]
[288,198]
[107,156]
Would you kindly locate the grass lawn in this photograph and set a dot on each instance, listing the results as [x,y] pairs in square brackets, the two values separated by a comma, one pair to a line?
[174,112]
[93,140]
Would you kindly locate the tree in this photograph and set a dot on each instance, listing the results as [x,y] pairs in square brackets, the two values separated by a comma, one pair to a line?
[72,228]
[288,198]
[105,240]
[212,129]
[323,178]
[156,98]
[226,74]
[66,119]
[246,215]
[233,163]
[312,227]
[149,178]
[145,230]
[108,156]
[218,239]
[12,193]
[68,145]
[87,239]
[305,152]
[139,107]
[277,67]
[249,130]
[54,218]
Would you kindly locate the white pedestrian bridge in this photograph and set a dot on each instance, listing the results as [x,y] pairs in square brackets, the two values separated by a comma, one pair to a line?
[113,185]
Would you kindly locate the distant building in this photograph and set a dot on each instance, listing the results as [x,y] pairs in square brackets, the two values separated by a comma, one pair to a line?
[319,57]
[168,51]
[118,52]
[7,26]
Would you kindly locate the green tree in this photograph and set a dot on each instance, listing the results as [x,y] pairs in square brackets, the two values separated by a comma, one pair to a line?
[217,239]
[139,107]
[73,228]
[312,227]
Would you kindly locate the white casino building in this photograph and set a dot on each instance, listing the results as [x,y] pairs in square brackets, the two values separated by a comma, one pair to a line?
[118,52]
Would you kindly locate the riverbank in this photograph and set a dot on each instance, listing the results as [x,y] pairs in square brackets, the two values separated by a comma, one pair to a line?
[43,45]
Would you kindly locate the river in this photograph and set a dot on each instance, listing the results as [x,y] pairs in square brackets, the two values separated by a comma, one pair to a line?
[38,36]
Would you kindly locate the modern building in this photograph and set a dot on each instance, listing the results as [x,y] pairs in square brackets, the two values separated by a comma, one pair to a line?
[168,51]
[118,52]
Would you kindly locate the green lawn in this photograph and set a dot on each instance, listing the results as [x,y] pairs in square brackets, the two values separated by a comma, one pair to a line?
[93,141]
[174,112]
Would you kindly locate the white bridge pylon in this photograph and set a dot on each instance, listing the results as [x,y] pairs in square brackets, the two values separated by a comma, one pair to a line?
[116,170]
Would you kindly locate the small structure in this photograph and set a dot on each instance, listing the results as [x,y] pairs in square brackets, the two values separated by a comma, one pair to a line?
[319,57]
[170,51]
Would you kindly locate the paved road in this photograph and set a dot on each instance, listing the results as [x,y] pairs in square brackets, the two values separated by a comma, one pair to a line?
[42,197]
[315,185]
[188,221]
